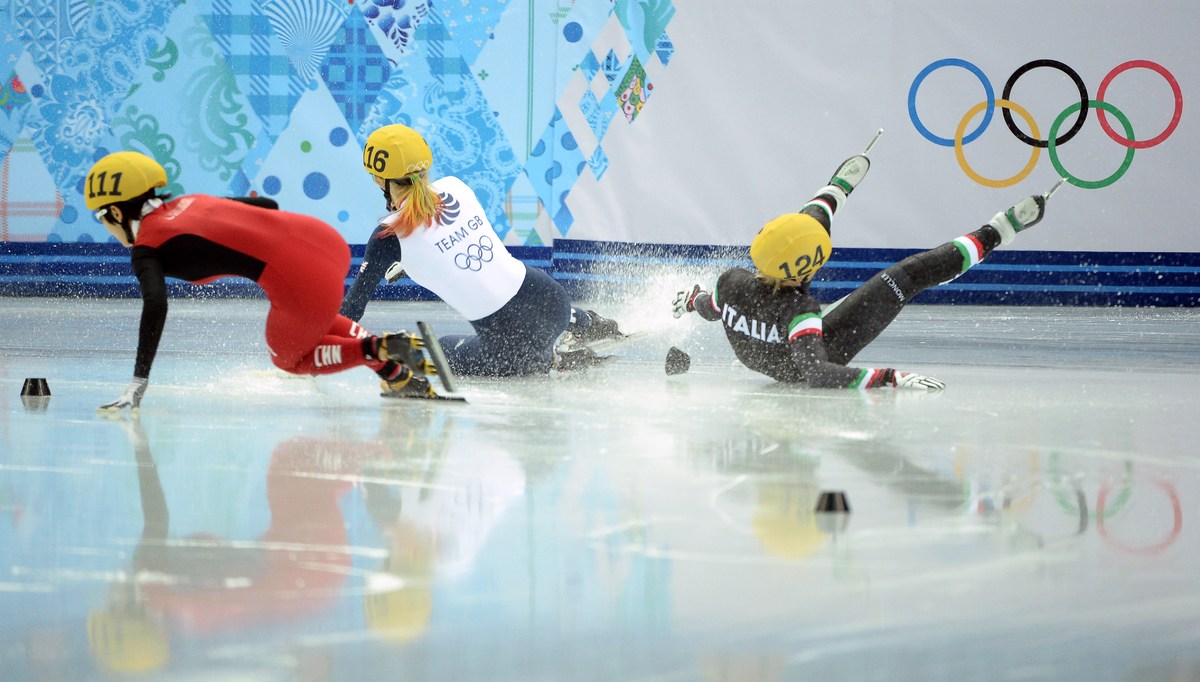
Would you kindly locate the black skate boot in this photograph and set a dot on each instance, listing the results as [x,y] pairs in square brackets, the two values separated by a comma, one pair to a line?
[406,349]
[412,386]
[597,328]
[578,358]
[408,386]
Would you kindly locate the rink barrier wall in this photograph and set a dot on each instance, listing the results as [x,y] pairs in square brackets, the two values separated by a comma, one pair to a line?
[591,269]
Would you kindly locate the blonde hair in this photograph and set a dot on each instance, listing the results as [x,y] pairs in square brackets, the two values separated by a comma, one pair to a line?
[777,284]
[420,205]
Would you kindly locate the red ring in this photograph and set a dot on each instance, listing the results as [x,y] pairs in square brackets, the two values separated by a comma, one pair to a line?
[1155,548]
[1160,70]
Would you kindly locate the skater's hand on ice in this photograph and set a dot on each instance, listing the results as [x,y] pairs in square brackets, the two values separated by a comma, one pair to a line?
[131,398]
[685,301]
[917,382]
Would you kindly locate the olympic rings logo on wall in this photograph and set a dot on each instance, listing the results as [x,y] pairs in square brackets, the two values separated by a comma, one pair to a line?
[1053,139]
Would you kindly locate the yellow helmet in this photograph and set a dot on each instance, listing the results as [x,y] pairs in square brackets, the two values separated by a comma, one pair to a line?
[399,614]
[792,246]
[120,176]
[784,520]
[127,642]
[395,151]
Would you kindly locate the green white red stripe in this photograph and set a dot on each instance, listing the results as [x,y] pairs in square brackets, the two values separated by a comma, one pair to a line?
[971,249]
[823,204]
[803,325]
[868,377]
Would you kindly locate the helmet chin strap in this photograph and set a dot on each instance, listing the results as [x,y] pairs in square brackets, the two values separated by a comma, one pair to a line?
[387,195]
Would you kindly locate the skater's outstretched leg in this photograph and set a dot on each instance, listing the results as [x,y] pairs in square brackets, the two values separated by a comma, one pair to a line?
[832,196]
[856,320]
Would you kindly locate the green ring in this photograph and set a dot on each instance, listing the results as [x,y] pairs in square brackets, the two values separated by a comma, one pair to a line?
[1053,148]
[1068,505]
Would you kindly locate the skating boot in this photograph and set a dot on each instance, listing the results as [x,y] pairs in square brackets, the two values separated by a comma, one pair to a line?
[850,173]
[409,386]
[829,199]
[1024,215]
[579,359]
[597,328]
[406,349]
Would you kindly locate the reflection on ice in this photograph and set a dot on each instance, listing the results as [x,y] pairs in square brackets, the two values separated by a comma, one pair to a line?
[615,525]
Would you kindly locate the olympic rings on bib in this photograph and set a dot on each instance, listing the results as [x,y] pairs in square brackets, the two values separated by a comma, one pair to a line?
[1053,139]
[475,255]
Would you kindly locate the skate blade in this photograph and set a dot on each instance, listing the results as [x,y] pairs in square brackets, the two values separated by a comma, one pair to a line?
[870,144]
[435,397]
[1054,189]
[584,365]
[434,348]
[615,341]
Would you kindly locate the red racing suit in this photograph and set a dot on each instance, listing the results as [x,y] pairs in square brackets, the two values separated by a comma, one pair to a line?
[300,262]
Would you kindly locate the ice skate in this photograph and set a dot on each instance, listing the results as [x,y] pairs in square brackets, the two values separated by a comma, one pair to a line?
[411,386]
[597,328]
[404,348]
[850,173]
[1023,215]
[570,354]
[422,356]
[580,358]
[854,169]
[414,387]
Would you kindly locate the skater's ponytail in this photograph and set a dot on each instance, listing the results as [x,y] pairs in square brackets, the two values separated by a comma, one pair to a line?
[420,205]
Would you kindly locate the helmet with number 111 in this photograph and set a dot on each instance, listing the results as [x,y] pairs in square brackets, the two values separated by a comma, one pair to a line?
[121,176]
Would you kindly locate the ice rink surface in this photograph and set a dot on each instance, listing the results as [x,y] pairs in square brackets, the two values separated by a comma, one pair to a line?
[1036,521]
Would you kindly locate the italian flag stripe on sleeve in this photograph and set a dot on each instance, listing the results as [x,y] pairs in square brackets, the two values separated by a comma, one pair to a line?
[971,250]
[866,378]
[804,325]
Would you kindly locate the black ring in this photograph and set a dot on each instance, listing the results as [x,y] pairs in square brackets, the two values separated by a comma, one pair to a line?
[1083,102]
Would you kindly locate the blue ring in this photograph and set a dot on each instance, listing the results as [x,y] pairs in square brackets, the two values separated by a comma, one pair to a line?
[987,114]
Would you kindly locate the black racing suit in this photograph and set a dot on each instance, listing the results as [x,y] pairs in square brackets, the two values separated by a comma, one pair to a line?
[779,332]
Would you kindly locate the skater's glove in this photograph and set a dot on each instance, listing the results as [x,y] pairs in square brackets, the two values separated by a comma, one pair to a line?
[917,382]
[131,398]
[685,301]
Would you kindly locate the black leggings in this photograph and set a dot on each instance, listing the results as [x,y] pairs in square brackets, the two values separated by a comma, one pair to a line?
[518,338]
[856,320]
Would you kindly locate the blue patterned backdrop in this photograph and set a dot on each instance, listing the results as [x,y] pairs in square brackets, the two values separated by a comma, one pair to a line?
[276,97]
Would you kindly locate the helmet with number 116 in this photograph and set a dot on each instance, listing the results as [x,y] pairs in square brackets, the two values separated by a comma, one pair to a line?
[121,176]
[395,151]
[791,248]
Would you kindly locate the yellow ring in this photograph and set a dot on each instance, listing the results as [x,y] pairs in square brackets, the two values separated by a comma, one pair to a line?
[962,157]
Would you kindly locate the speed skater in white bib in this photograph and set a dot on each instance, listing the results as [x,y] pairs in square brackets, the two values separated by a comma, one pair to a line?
[777,328]
[439,234]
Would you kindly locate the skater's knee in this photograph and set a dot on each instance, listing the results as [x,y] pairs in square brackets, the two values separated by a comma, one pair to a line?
[286,363]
